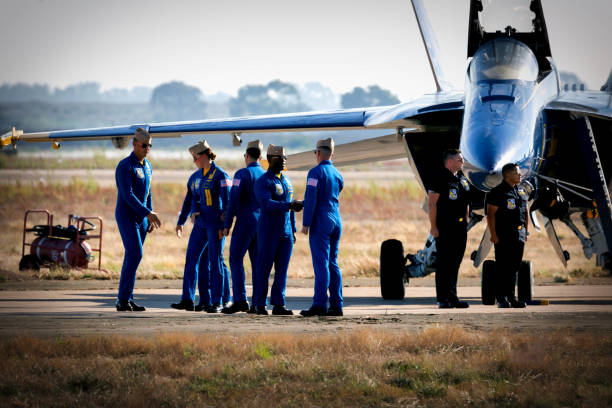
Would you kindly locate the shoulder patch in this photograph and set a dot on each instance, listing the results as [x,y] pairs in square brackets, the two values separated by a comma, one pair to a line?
[511,204]
[452,194]
[279,189]
[312,182]
[236,182]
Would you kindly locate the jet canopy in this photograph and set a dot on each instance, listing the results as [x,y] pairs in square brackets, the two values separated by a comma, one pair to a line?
[503,59]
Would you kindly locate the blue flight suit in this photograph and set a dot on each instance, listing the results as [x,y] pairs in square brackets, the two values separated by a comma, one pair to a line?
[275,230]
[244,206]
[323,186]
[210,200]
[134,203]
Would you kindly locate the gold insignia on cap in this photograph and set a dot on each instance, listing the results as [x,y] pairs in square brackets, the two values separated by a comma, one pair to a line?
[326,143]
[275,150]
[199,147]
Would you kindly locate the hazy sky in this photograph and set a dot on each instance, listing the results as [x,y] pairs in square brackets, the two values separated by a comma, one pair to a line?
[222,45]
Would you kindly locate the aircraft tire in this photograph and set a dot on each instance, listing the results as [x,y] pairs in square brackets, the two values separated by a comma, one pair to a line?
[488,283]
[29,262]
[392,264]
[525,282]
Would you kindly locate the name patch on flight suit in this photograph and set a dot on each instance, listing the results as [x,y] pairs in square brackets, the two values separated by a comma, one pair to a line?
[452,194]
[511,205]
[279,189]
[139,172]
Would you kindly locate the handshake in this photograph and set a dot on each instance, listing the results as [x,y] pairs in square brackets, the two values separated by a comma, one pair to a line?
[296,205]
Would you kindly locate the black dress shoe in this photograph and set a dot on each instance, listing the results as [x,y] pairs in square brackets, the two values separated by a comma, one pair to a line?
[183,305]
[314,311]
[445,305]
[216,308]
[279,310]
[503,304]
[460,304]
[201,307]
[261,310]
[332,311]
[137,308]
[236,307]
[517,304]
[123,306]
[251,310]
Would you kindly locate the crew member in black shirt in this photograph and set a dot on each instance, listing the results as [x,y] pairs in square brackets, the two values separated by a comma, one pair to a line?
[507,219]
[448,215]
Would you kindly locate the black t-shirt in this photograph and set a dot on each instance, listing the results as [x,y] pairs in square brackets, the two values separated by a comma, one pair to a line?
[453,201]
[511,215]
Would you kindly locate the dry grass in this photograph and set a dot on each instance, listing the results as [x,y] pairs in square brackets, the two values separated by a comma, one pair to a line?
[371,213]
[437,367]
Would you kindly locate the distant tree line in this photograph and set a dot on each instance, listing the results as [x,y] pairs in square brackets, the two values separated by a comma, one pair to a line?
[38,107]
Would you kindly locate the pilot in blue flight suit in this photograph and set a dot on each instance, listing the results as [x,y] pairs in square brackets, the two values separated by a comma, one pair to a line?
[244,206]
[507,220]
[208,204]
[322,220]
[275,232]
[196,259]
[134,214]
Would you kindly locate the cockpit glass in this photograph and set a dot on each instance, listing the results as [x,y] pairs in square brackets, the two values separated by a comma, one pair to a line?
[504,58]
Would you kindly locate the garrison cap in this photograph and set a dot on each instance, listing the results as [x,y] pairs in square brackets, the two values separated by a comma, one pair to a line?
[326,144]
[199,147]
[255,144]
[142,136]
[275,150]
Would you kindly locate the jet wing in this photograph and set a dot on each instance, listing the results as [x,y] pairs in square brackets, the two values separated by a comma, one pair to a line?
[596,103]
[380,148]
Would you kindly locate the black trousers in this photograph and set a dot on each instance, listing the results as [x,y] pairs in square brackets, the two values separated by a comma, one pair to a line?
[450,247]
[508,258]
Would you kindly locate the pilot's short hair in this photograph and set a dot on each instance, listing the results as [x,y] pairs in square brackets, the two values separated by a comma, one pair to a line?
[508,168]
[253,153]
[448,153]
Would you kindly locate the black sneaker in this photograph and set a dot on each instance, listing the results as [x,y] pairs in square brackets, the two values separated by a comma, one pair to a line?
[137,308]
[460,304]
[183,305]
[517,304]
[445,305]
[252,310]
[261,310]
[503,304]
[332,311]
[236,307]
[314,311]
[201,307]
[123,306]
[216,308]
[280,310]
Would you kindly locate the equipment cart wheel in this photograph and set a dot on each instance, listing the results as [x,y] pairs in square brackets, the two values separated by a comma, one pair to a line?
[392,272]
[525,282]
[488,283]
[29,262]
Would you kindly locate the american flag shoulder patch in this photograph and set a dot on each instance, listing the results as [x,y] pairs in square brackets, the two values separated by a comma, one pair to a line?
[312,182]
[225,183]
[236,182]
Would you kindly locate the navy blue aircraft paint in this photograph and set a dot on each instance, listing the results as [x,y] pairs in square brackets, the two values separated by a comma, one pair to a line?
[511,110]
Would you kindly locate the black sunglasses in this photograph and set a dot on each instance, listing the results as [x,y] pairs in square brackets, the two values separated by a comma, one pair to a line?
[145,145]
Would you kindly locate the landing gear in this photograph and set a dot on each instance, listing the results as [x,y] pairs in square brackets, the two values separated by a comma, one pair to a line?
[392,270]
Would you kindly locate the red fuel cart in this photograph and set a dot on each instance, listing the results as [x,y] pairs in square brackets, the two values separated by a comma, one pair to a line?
[57,245]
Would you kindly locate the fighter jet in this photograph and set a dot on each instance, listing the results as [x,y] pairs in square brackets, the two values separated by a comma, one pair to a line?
[512,109]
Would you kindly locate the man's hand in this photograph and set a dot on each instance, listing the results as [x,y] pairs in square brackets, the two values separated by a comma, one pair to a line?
[296,206]
[179,231]
[154,221]
[305,230]
[434,232]
[226,232]
[294,238]
[221,234]
[193,216]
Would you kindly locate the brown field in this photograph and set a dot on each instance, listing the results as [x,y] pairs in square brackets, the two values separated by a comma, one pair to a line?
[371,212]
[436,367]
